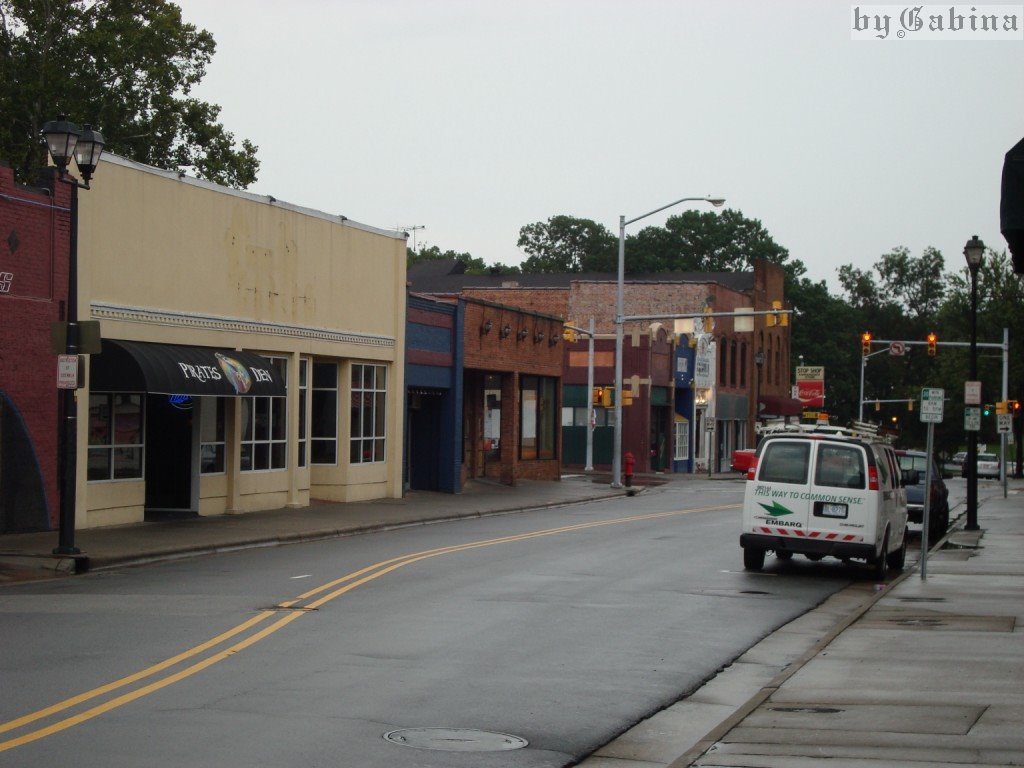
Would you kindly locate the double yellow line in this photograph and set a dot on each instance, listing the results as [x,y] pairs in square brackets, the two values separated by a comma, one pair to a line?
[295,609]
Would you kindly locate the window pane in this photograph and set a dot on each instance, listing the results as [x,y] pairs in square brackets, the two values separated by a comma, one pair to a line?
[279,421]
[211,429]
[247,419]
[379,413]
[246,457]
[212,460]
[261,421]
[325,376]
[324,452]
[303,367]
[261,456]
[368,376]
[127,419]
[99,463]
[278,455]
[356,429]
[127,462]
[99,420]
[355,453]
[378,450]
[357,376]
[325,413]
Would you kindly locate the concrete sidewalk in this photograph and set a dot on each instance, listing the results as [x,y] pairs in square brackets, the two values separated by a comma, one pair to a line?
[911,673]
[29,555]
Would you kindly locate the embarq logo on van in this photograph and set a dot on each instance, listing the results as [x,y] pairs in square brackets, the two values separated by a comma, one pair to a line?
[775,509]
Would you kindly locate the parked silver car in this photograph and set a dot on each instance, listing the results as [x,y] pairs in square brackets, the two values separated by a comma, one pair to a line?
[988,466]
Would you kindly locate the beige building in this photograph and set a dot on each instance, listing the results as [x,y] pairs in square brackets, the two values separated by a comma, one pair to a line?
[252,351]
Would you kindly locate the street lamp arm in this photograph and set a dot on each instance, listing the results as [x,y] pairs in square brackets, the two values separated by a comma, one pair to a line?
[715,201]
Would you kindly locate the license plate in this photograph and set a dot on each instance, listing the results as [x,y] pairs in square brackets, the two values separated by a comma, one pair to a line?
[829,509]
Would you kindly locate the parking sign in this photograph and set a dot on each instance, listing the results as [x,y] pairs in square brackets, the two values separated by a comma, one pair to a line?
[931,405]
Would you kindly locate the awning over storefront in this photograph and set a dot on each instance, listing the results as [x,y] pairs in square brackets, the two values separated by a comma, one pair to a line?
[135,366]
[772,405]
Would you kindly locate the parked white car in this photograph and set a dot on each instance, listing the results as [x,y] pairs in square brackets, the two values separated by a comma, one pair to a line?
[988,465]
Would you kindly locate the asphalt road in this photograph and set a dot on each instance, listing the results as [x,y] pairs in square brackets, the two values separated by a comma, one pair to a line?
[560,627]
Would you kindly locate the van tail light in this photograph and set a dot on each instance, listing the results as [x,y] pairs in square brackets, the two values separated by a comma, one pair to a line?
[872,478]
[752,469]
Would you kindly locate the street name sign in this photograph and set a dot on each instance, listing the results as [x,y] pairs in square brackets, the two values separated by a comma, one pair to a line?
[931,405]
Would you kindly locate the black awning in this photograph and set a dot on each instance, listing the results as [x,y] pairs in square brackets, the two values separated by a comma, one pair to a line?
[772,405]
[136,366]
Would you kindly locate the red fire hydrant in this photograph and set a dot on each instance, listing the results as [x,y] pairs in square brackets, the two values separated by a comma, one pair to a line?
[628,463]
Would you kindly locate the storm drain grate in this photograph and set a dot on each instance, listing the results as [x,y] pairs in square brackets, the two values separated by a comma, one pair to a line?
[922,599]
[808,710]
[455,739]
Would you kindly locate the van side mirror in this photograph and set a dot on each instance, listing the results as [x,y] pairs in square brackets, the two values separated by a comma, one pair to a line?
[911,476]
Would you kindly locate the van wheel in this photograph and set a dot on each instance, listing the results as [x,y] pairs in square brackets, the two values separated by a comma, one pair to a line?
[880,565]
[898,557]
[783,554]
[753,558]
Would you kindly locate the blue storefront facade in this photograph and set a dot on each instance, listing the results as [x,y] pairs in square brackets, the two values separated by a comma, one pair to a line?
[433,396]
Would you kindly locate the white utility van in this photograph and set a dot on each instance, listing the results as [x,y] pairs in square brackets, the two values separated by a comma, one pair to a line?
[819,495]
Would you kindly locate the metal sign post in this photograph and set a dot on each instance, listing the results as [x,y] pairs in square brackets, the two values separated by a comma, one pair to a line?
[931,414]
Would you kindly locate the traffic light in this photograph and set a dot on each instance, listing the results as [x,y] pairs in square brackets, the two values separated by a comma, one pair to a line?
[568,334]
[986,410]
[865,343]
[597,398]
[778,317]
[933,340]
[1014,407]
[1002,407]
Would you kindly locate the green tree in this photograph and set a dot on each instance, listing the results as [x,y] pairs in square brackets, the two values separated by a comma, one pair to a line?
[568,244]
[474,266]
[126,67]
[703,241]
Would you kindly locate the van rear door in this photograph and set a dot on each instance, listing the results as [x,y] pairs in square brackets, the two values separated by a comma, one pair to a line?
[840,500]
[782,491]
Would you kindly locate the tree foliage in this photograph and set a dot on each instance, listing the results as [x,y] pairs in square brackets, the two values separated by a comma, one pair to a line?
[474,266]
[127,67]
[568,244]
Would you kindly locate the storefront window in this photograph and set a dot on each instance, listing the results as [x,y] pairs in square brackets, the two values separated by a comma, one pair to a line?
[211,435]
[682,446]
[537,418]
[115,436]
[369,401]
[324,448]
[492,417]
[265,428]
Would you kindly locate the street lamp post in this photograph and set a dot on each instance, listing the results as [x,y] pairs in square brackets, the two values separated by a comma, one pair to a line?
[619,318]
[759,362]
[973,251]
[65,140]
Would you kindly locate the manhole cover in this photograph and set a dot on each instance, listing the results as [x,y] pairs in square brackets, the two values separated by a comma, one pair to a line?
[455,739]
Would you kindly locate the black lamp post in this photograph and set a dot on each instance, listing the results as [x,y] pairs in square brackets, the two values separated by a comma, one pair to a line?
[973,251]
[65,140]
[758,361]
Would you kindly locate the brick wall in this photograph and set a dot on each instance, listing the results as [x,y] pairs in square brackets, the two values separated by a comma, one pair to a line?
[33,283]
[494,352]
[546,301]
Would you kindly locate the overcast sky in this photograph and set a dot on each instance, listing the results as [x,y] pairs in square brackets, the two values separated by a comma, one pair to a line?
[473,118]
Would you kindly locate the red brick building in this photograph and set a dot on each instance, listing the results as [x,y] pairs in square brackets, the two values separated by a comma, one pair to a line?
[512,368]
[34,243]
[662,416]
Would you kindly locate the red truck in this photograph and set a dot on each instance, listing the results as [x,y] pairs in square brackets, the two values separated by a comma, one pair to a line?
[743,459]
